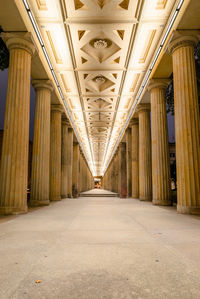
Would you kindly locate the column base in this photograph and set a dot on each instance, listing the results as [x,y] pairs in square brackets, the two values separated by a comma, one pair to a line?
[64,196]
[121,196]
[158,202]
[13,210]
[145,199]
[134,197]
[192,210]
[55,198]
[38,203]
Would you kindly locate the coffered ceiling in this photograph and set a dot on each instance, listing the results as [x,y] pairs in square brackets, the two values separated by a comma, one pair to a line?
[100,51]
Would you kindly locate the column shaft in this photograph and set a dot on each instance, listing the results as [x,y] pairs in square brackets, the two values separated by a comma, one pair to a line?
[187,125]
[69,161]
[122,170]
[145,172]
[64,156]
[75,171]
[14,160]
[55,153]
[128,162]
[160,144]
[41,144]
[135,158]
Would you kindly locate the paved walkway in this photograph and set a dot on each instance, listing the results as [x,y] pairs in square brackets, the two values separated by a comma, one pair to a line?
[98,191]
[94,248]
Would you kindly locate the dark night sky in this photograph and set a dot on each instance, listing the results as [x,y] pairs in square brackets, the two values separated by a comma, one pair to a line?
[3,88]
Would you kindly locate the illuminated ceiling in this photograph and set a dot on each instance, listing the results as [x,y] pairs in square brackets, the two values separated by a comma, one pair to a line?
[100,51]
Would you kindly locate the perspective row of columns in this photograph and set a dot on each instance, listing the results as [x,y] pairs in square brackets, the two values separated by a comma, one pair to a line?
[147,168]
[59,169]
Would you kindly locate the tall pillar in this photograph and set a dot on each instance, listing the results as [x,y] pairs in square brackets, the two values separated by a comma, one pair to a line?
[122,170]
[135,157]
[145,172]
[75,170]
[41,144]
[104,181]
[109,178]
[69,161]
[55,153]
[81,173]
[117,171]
[14,160]
[64,156]
[160,143]
[108,181]
[128,162]
[84,180]
[187,122]
[114,173]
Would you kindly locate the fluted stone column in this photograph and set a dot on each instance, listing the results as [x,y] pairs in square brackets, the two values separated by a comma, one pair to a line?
[14,159]
[160,143]
[41,144]
[122,170]
[114,173]
[83,181]
[128,162]
[87,177]
[70,161]
[187,122]
[135,157]
[64,156]
[117,171]
[111,175]
[110,178]
[75,170]
[105,181]
[81,173]
[145,171]
[55,153]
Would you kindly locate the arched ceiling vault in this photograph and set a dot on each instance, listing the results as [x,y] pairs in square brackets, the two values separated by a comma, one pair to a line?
[100,51]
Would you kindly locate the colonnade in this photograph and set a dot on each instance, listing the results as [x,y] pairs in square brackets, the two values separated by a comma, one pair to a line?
[59,169]
[149,166]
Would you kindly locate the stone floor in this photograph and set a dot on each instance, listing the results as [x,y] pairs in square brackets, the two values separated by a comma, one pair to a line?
[98,191]
[100,248]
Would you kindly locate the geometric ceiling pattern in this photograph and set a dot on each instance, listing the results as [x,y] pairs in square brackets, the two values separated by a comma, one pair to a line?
[100,50]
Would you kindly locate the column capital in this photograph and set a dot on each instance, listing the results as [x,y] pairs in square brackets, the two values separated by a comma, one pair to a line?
[56,108]
[158,83]
[19,40]
[65,120]
[183,38]
[121,144]
[133,121]
[39,84]
[143,107]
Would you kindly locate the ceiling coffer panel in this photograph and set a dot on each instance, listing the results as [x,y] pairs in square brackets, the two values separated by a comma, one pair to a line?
[100,51]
